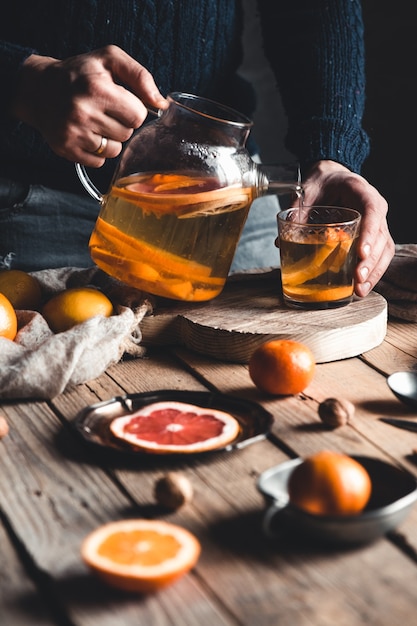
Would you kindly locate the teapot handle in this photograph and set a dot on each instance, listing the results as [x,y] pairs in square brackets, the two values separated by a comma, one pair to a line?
[85,179]
[87,184]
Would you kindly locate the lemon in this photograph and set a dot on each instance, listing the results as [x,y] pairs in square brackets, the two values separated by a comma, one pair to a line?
[22,289]
[74,306]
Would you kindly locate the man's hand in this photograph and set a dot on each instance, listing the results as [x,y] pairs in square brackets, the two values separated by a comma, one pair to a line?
[329,183]
[76,102]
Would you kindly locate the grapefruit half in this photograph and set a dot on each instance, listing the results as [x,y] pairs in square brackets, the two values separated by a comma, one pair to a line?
[176,427]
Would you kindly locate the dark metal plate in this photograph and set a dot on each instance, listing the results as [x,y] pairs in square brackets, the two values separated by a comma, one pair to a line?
[93,423]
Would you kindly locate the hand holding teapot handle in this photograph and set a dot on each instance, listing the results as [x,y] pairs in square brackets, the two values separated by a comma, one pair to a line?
[87,183]
[79,104]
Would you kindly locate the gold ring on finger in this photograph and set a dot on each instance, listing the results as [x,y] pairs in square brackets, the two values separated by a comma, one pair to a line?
[102,146]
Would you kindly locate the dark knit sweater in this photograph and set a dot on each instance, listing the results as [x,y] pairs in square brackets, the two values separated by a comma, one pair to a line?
[315,48]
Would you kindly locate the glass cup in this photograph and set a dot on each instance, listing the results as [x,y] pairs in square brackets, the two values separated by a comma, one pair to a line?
[318,255]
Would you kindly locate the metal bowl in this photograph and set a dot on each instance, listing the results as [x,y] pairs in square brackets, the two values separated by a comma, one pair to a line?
[394,491]
[404,386]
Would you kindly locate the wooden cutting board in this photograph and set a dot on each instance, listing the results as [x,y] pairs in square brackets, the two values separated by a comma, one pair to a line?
[250,311]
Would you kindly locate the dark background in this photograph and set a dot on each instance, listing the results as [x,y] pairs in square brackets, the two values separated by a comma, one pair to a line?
[391,110]
[391,106]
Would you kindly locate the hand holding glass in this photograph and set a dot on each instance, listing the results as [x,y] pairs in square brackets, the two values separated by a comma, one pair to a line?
[318,255]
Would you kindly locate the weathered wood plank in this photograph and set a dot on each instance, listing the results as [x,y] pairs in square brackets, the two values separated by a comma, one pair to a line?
[283,575]
[61,491]
[19,601]
[58,493]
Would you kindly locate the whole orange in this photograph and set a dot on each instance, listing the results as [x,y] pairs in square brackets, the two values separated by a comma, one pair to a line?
[74,306]
[330,483]
[282,367]
[22,289]
[8,318]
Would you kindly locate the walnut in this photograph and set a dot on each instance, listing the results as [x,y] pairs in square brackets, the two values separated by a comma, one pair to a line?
[4,427]
[335,412]
[173,490]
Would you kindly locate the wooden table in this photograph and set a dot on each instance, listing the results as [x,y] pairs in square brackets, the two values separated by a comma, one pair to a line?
[54,491]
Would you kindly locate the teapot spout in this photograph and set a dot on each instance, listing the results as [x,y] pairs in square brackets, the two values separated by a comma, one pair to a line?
[279,179]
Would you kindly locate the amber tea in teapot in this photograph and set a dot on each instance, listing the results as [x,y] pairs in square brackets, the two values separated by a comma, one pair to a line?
[181,241]
[171,221]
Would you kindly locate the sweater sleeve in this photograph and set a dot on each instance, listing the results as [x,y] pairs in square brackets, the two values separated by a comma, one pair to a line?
[316,50]
[11,58]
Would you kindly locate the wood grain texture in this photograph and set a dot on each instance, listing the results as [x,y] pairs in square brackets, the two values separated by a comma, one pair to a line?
[54,491]
[250,311]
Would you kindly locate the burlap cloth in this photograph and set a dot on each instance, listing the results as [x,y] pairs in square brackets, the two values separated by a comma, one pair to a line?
[399,283]
[40,364]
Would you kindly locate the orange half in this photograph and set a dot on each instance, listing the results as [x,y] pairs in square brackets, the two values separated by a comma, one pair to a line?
[140,555]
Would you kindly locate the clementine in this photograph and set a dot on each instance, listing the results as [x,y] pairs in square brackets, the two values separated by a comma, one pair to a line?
[8,318]
[140,555]
[22,289]
[330,483]
[282,367]
[74,306]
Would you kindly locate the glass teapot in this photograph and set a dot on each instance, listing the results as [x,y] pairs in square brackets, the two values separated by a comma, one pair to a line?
[172,218]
